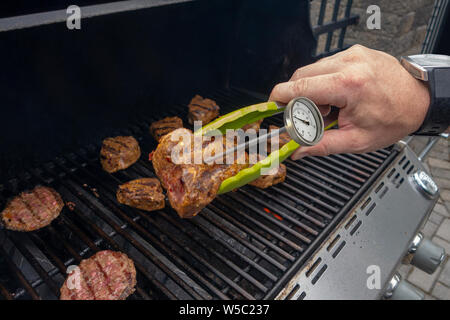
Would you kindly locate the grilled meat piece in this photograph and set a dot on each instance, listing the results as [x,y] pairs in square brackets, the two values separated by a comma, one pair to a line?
[204,110]
[162,156]
[282,139]
[145,194]
[255,125]
[119,153]
[162,127]
[190,187]
[274,176]
[32,209]
[108,275]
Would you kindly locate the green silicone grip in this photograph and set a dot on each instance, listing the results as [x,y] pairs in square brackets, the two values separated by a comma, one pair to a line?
[239,118]
[254,172]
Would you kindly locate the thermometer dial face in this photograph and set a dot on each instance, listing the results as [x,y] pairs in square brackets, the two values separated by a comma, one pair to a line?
[303,121]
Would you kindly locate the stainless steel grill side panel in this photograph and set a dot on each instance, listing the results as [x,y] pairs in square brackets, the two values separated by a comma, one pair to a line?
[377,233]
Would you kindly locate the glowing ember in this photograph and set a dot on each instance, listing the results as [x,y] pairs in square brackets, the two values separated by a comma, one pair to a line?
[273,214]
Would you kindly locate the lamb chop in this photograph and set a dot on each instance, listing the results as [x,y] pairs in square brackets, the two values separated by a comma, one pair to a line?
[32,210]
[145,194]
[202,109]
[107,275]
[190,187]
[164,126]
[119,153]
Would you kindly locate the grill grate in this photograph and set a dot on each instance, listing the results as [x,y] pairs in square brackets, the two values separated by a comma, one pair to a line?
[244,245]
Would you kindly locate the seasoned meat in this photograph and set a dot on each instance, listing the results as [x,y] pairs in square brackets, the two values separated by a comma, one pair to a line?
[190,187]
[32,210]
[107,275]
[275,176]
[145,194]
[282,138]
[204,110]
[255,125]
[119,153]
[162,127]
[161,158]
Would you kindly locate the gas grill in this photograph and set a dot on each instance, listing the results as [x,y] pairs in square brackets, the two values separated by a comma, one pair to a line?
[312,236]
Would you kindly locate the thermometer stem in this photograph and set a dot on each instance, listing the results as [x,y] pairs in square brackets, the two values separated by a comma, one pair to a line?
[248,144]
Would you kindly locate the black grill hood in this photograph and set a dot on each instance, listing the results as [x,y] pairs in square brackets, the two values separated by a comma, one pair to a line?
[62,88]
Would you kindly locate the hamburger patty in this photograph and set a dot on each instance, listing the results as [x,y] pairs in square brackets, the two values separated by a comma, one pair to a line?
[32,210]
[107,275]
[119,153]
[202,109]
[164,126]
[145,194]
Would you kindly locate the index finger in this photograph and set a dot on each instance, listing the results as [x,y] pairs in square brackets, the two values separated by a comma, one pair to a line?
[324,89]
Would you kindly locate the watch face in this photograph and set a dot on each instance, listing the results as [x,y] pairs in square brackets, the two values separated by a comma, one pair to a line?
[431,60]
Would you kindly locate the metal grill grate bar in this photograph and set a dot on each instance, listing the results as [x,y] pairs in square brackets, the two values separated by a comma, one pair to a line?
[19,275]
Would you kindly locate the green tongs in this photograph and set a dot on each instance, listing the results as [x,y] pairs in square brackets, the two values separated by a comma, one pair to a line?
[236,120]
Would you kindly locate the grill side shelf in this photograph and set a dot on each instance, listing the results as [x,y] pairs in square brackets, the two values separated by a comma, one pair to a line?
[371,240]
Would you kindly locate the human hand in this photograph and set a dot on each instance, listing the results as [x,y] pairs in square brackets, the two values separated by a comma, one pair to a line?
[379,101]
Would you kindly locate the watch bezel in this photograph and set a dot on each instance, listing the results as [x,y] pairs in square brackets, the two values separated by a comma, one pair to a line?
[419,65]
[416,70]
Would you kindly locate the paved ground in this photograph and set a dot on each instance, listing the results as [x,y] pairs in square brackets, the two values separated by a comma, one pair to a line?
[437,228]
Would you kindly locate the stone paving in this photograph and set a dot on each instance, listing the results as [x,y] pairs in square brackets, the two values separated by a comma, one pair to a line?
[437,228]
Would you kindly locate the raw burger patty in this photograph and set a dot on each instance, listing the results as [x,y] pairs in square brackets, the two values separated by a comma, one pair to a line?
[145,194]
[204,110]
[164,126]
[32,210]
[119,153]
[107,275]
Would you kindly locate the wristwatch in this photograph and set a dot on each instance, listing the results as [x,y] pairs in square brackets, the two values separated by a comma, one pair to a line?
[434,70]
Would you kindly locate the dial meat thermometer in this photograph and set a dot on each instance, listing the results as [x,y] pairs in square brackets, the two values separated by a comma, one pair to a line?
[302,121]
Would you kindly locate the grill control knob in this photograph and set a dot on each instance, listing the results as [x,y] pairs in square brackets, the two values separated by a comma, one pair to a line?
[399,289]
[426,255]
[425,184]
